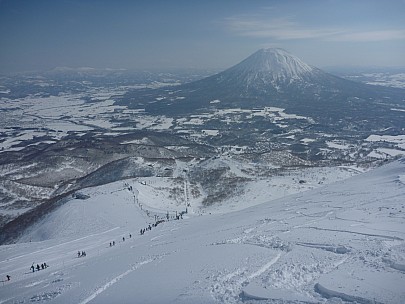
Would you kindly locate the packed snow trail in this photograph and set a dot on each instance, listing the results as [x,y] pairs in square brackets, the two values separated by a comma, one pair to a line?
[60,244]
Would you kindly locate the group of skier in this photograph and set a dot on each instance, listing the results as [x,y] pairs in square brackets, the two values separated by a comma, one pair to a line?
[38,267]
[33,267]
[123,239]
[81,254]
[142,231]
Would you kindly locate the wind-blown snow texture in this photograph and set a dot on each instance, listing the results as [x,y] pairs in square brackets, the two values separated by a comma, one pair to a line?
[342,241]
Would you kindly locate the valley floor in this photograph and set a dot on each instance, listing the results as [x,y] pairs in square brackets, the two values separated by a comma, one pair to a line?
[343,242]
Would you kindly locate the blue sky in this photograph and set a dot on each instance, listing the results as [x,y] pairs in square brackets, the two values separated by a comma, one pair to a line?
[142,34]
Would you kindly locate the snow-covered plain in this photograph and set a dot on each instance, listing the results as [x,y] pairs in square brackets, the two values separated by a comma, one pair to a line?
[343,242]
[385,79]
[44,119]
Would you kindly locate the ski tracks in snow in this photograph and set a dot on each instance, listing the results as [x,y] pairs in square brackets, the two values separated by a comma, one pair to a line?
[265,267]
[115,280]
[227,288]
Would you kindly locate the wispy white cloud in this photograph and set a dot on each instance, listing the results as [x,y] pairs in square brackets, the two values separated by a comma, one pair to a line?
[365,36]
[287,29]
[280,28]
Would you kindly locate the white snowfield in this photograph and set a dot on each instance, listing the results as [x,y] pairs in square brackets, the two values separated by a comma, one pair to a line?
[343,242]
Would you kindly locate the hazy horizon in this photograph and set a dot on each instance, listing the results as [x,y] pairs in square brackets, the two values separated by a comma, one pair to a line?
[133,35]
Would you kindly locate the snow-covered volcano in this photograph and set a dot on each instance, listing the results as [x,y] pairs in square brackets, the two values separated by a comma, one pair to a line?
[266,72]
[274,74]
[271,77]
[272,65]
[271,72]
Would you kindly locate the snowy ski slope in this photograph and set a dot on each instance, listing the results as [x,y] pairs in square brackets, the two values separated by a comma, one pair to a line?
[343,241]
